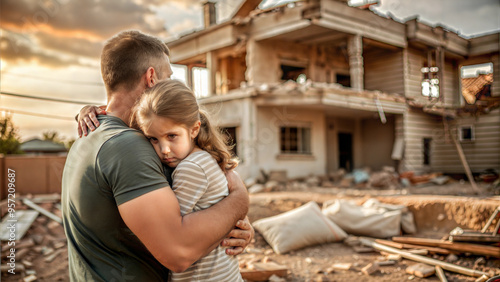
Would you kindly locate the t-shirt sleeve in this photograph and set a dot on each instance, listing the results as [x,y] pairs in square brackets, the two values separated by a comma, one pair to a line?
[129,166]
[189,184]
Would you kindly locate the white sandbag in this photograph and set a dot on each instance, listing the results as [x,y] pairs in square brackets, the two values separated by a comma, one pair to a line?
[298,228]
[363,221]
[407,221]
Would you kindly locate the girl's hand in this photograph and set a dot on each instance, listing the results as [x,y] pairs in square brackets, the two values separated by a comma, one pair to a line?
[87,118]
[239,238]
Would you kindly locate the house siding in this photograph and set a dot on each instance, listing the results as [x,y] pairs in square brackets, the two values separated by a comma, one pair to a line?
[384,72]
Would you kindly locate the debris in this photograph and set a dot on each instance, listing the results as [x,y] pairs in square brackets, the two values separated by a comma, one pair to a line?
[263,271]
[256,188]
[479,261]
[422,252]
[386,262]
[421,270]
[451,258]
[441,217]
[342,266]
[53,255]
[278,175]
[440,274]
[411,246]
[459,247]
[271,185]
[42,210]
[370,268]
[394,257]
[6,267]
[363,249]
[418,258]
[458,234]
[483,278]
[360,175]
[249,182]
[30,278]
[275,278]
[23,220]
[440,180]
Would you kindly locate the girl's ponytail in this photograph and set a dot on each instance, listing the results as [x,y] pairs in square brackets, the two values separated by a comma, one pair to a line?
[212,140]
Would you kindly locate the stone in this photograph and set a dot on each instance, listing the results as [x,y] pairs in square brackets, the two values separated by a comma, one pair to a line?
[421,270]
[256,188]
[370,268]
[451,258]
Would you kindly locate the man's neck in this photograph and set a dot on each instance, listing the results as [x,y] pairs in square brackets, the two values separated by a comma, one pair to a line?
[120,104]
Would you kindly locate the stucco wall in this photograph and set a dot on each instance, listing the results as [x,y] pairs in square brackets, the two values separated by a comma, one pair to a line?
[267,144]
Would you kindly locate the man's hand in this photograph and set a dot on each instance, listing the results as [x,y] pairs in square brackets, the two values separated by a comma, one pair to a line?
[87,118]
[239,238]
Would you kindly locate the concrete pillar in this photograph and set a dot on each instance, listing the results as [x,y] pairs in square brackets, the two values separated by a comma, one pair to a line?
[212,72]
[356,68]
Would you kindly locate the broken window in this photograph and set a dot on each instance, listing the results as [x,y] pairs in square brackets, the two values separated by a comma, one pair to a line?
[476,82]
[231,135]
[200,82]
[291,72]
[427,151]
[295,140]
[466,133]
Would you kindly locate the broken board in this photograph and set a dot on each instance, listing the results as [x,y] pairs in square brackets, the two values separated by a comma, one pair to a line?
[262,271]
[22,222]
[421,270]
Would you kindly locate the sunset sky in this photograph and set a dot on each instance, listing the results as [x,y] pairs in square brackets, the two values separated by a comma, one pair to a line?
[51,48]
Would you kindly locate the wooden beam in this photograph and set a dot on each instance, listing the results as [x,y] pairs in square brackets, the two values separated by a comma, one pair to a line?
[442,264]
[459,247]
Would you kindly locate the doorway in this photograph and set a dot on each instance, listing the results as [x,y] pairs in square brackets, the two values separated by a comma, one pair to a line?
[345,151]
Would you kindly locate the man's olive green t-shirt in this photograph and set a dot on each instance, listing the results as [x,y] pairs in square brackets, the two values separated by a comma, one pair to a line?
[110,166]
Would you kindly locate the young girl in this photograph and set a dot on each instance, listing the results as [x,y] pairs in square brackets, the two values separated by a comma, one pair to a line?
[183,137]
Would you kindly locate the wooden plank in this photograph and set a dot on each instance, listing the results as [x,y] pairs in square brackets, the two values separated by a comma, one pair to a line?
[262,271]
[22,222]
[459,247]
[440,274]
[412,246]
[43,211]
[426,260]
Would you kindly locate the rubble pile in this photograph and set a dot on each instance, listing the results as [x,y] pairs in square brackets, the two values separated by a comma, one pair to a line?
[387,178]
[39,253]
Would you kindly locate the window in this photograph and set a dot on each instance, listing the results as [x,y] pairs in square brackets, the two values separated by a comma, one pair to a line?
[291,72]
[179,73]
[466,133]
[427,151]
[344,79]
[430,81]
[295,140]
[231,135]
[200,82]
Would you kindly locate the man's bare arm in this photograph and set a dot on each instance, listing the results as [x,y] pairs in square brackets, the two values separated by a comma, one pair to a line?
[176,241]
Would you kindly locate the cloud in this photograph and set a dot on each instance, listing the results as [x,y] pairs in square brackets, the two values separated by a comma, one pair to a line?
[70,45]
[15,48]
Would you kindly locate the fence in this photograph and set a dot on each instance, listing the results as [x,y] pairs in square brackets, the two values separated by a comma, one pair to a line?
[35,174]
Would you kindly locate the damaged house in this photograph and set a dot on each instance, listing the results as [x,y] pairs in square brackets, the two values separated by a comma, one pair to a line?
[314,86]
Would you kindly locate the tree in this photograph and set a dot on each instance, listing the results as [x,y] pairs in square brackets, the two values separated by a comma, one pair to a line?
[9,139]
[56,138]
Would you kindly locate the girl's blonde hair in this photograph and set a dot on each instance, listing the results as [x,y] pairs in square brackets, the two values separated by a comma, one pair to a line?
[174,100]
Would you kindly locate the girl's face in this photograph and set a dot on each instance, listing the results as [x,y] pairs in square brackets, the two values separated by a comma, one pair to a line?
[172,142]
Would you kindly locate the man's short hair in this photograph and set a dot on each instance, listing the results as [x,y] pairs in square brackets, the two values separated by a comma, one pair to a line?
[127,56]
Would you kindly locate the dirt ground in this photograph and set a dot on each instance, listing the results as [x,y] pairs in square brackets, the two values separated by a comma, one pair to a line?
[455,201]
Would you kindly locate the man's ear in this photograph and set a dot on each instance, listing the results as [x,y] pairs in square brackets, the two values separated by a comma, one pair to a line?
[150,77]
[195,130]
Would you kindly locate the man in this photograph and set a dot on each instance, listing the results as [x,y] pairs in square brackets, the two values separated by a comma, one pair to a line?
[120,216]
